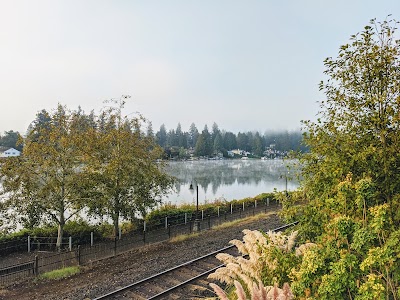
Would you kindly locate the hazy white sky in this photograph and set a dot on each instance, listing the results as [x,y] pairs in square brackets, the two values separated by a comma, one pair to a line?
[246,65]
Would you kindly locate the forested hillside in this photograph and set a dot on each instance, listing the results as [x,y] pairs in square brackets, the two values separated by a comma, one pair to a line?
[210,142]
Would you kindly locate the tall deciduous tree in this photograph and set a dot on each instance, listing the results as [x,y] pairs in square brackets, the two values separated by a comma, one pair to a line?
[351,176]
[121,162]
[359,125]
[73,161]
[45,180]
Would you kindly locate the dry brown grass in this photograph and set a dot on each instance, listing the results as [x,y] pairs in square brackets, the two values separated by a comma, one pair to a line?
[183,237]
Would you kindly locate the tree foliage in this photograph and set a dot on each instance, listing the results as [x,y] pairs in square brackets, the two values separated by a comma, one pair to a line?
[72,161]
[121,163]
[358,131]
[11,139]
[44,181]
[351,187]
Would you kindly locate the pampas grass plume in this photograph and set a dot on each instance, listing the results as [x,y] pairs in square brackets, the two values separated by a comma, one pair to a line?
[219,292]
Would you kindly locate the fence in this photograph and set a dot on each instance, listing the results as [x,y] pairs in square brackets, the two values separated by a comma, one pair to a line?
[37,261]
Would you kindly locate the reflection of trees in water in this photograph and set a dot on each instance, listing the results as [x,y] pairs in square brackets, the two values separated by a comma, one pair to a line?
[227,172]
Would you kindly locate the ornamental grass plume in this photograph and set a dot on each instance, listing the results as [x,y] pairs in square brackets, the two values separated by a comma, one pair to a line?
[257,293]
[219,292]
[245,272]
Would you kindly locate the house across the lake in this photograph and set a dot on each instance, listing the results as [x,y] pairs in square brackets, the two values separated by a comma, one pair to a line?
[11,152]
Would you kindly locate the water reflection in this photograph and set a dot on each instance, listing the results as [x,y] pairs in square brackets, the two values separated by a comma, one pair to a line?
[230,179]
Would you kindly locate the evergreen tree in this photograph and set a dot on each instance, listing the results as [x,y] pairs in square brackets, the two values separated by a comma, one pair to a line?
[172,140]
[258,145]
[229,141]
[193,135]
[181,137]
[242,141]
[218,144]
[161,136]
[200,149]
[214,131]
[11,139]
[149,131]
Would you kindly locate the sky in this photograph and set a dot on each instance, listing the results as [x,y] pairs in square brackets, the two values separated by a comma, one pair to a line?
[250,65]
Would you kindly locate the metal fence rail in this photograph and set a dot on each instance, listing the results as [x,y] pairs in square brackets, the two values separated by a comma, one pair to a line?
[44,261]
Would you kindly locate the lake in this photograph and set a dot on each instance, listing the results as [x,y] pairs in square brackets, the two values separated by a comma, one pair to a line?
[229,179]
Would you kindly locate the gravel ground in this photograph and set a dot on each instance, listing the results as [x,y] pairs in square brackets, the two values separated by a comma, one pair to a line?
[109,274]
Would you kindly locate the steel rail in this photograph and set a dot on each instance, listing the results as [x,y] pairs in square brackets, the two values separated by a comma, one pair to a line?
[137,283]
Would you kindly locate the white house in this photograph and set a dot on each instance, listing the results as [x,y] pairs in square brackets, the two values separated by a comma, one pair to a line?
[11,152]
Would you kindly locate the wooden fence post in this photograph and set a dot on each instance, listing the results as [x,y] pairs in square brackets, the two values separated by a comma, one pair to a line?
[29,244]
[144,232]
[36,266]
[78,255]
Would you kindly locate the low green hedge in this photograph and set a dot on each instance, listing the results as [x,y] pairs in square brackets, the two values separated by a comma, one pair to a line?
[176,214]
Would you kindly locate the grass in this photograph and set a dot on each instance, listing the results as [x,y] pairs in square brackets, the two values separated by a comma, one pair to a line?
[60,273]
[245,220]
[183,237]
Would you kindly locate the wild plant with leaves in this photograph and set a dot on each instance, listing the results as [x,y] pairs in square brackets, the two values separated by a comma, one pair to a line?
[348,206]
[351,188]
[265,263]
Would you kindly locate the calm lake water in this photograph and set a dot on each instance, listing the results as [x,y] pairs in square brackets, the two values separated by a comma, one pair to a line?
[229,179]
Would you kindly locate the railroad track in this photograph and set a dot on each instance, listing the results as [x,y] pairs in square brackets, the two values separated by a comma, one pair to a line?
[163,285]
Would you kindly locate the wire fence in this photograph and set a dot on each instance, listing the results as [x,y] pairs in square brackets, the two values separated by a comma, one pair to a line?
[40,254]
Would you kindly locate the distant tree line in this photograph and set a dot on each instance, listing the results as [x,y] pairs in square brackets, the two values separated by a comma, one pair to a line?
[10,140]
[176,142]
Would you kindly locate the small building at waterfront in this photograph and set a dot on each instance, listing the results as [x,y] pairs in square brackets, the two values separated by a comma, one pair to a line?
[11,152]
